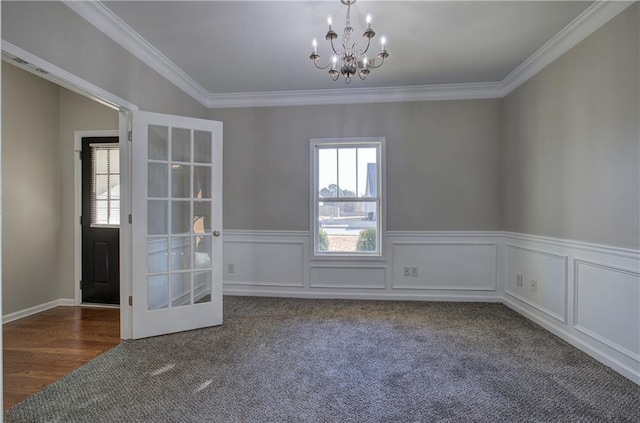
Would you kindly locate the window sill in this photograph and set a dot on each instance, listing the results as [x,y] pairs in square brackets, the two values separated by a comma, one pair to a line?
[347,257]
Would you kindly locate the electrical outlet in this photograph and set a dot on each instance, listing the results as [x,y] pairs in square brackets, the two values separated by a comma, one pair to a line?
[519,280]
[414,272]
[534,285]
[231,268]
[407,271]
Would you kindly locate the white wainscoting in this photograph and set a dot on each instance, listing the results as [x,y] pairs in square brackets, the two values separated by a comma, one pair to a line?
[452,266]
[587,294]
[445,265]
[606,301]
[350,276]
[548,271]
[266,259]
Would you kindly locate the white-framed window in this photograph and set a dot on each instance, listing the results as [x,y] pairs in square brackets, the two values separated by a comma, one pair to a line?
[105,184]
[347,196]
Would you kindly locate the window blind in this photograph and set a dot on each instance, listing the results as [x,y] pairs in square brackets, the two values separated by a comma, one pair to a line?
[105,184]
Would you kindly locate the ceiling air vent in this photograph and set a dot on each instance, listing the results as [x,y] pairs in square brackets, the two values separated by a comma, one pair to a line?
[19,60]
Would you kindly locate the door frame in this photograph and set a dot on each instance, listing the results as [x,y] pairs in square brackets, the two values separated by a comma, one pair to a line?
[126,249]
[77,205]
[125,126]
[126,286]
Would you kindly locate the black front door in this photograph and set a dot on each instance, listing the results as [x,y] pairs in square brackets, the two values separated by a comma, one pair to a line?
[100,220]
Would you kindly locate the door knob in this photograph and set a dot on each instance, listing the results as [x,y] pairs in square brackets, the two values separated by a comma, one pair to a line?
[216,233]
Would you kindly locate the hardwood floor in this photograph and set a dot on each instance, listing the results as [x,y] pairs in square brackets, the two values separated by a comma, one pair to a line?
[40,349]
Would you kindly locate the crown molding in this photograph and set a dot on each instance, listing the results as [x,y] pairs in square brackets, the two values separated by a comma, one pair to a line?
[596,15]
[57,75]
[100,16]
[482,90]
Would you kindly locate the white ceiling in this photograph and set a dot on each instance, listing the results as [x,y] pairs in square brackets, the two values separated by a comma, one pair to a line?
[264,46]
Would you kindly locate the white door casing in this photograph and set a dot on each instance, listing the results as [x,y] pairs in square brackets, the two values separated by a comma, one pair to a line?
[176,223]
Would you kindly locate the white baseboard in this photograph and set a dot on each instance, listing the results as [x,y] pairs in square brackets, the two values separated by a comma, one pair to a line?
[37,309]
[630,373]
[336,295]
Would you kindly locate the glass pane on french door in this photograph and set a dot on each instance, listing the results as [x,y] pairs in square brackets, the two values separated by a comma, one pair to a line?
[179,216]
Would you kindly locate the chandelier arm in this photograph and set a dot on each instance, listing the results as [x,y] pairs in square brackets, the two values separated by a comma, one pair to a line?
[376,67]
[315,62]
[333,48]
[367,48]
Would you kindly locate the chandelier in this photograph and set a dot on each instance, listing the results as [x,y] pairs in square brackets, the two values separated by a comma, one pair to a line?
[347,59]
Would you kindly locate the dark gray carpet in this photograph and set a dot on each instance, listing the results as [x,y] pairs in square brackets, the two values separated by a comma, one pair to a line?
[291,360]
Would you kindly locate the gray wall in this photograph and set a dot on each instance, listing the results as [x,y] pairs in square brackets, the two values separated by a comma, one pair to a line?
[31,203]
[77,113]
[571,142]
[53,32]
[443,162]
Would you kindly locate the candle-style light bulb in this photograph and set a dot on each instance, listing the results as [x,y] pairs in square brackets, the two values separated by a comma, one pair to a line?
[329,21]
[334,59]
[364,63]
[315,45]
[369,20]
[383,41]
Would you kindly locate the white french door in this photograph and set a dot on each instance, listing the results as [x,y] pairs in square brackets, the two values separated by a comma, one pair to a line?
[176,223]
